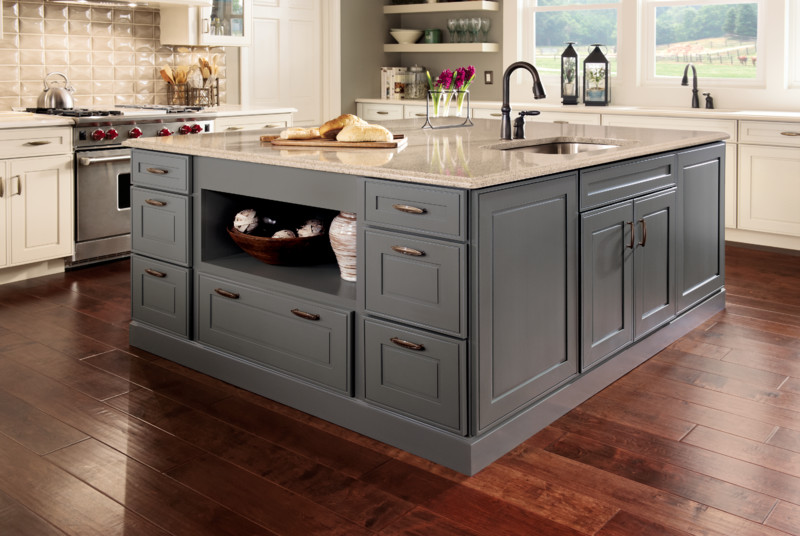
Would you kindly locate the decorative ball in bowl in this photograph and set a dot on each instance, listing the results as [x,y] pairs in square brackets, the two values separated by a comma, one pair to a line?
[285,251]
[405,37]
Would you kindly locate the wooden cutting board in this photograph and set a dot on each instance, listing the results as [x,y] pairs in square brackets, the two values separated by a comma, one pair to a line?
[399,141]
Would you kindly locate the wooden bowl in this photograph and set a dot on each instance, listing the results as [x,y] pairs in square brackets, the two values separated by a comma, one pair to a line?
[285,251]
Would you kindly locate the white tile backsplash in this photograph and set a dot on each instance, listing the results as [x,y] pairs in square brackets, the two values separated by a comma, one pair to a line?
[112,55]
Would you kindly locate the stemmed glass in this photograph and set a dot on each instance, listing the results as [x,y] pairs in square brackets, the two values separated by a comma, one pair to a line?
[485,24]
[474,29]
[462,30]
[452,25]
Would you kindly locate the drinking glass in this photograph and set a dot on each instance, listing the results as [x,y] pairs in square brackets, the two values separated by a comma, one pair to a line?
[475,29]
[485,24]
[452,25]
[462,30]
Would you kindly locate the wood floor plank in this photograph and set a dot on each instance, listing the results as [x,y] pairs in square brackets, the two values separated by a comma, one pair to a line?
[137,439]
[787,366]
[86,325]
[757,310]
[785,517]
[34,429]
[741,372]
[627,524]
[358,501]
[149,493]
[63,500]
[253,497]
[765,455]
[16,520]
[786,438]
[711,351]
[421,522]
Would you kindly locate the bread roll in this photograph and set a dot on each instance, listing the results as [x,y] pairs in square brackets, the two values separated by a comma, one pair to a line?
[364,133]
[331,128]
[299,133]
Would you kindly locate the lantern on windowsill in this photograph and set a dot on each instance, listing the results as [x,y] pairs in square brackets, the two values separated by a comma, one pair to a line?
[595,78]
[569,75]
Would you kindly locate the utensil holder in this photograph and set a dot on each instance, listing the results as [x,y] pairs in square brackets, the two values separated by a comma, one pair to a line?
[177,94]
[204,96]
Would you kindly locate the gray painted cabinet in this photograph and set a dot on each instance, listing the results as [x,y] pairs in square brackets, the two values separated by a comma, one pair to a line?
[478,317]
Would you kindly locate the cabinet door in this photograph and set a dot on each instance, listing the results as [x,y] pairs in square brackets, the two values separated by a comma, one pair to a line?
[701,224]
[769,189]
[160,294]
[607,245]
[4,182]
[39,191]
[524,263]
[654,261]
[160,225]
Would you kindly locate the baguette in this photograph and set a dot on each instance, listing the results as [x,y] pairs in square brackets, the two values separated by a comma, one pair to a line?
[299,133]
[331,128]
[356,133]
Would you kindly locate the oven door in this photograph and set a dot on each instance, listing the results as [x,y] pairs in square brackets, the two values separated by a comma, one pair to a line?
[102,193]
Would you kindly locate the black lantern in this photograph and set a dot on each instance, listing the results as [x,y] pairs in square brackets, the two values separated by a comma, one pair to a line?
[569,75]
[595,78]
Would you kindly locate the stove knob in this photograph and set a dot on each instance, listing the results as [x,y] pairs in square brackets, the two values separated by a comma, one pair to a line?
[135,132]
[112,134]
[98,135]
[197,128]
[164,132]
[185,129]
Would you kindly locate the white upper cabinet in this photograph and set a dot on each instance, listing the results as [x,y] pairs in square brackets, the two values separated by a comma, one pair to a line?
[225,23]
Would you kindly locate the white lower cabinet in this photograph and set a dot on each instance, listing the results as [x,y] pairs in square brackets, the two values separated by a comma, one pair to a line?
[36,216]
[769,189]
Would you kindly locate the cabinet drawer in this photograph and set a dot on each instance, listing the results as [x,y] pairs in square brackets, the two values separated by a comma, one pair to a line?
[728,126]
[160,294]
[252,122]
[414,111]
[771,133]
[168,172]
[418,281]
[415,373]
[604,185]
[432,210]
[289,334]
[378,112]
[21,142]
[160,225]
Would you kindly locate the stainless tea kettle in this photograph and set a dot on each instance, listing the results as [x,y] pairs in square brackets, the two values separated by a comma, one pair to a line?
[54,97]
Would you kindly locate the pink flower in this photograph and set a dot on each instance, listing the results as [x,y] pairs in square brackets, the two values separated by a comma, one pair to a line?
[445,79]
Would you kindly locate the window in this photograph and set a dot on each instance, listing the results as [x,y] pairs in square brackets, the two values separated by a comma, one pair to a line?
[557,21]
[720,37]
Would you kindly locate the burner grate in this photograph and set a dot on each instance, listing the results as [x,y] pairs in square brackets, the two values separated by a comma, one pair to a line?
[73,112]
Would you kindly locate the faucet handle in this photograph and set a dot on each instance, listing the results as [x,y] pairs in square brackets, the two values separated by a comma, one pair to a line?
[519,123]
[529,112]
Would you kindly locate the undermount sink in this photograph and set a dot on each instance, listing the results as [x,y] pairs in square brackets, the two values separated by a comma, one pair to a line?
[562,147]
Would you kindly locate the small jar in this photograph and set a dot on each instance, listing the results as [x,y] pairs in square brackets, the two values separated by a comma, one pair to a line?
[418,83]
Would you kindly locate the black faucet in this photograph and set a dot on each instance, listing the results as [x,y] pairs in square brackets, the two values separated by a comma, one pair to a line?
[519,123]
[538,93]
[685,82]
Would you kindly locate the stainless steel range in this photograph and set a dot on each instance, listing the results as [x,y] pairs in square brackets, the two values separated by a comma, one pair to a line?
[102,171]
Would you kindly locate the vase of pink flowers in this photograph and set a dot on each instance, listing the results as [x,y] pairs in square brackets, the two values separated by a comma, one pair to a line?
[441,92]
[462,80]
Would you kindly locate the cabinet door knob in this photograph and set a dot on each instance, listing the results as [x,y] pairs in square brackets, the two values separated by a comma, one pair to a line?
[633,235]
[409,209]
[408,251]
[226,294]
[157,171]
[407,344]
[305,315]
[155,273]
[155,203]
[644,232]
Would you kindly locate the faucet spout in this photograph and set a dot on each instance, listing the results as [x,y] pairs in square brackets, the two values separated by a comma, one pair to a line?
[538,93]
[685,82]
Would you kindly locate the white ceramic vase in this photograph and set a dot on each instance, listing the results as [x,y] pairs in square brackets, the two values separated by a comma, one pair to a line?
[343,242]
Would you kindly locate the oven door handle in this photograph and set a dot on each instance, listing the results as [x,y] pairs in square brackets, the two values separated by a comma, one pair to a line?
[87,161]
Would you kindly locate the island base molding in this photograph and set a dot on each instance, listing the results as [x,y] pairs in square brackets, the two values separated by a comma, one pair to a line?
[466,455]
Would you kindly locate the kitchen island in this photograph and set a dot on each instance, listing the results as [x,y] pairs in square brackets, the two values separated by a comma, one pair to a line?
[497,286]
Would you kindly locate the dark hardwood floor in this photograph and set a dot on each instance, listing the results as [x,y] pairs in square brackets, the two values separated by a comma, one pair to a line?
[97,437]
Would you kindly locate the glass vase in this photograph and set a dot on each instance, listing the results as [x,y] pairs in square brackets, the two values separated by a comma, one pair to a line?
[460,98]
[444,103]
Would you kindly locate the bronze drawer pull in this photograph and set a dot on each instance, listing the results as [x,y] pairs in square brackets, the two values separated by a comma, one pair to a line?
[789,133]
[38,142]
[382,112]
[157,171]
[305,315]
[235,128]
[407,344]
[226,294]
[409,209]
[633,234]
[155,273]
[421,115]
[408,251]
[155,203]
[644,232]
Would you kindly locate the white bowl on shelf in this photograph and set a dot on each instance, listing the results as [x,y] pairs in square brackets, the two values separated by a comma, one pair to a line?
[404,36]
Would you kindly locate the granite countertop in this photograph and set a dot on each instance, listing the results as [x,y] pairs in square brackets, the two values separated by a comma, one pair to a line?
[684,112]
[10,119]
[467,157]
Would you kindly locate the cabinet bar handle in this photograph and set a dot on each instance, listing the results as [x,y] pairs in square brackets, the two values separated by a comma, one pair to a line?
[409,209]
[155,273]
[157,171]
[644,232]
[789,133]
[407,344]
[408,251]
[303,314]
[421,115]
[19,186]
[155,203]
[633,234]
[235,128]
[226,294]
[38,142]
[495,114]
[1,186]
[382,113]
